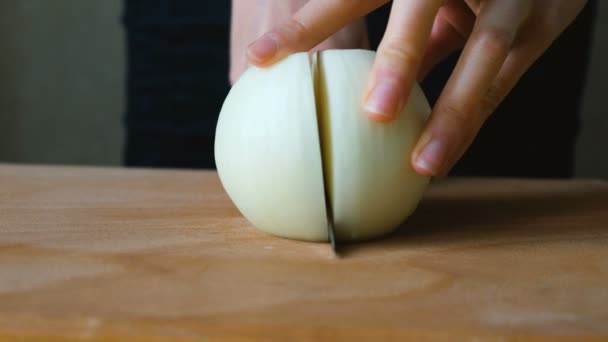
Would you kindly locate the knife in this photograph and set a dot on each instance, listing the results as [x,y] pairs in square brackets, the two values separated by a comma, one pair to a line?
[331,232]
[316,76]
[332,235]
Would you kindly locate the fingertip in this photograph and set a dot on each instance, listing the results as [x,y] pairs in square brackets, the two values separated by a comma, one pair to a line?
[423,169]
[420,168]
[384,102]
[429,158]
[263,50]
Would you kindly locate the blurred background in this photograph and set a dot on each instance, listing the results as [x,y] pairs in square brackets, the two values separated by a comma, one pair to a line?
[62,86]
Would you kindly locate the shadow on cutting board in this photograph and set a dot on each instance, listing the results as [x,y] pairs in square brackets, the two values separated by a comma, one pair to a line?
[454,214]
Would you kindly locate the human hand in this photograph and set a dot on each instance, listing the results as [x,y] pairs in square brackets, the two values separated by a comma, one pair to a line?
[501,40]
[250,19]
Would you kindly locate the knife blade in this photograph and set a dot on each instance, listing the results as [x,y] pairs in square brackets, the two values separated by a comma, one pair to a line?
[332,234]
[315,61]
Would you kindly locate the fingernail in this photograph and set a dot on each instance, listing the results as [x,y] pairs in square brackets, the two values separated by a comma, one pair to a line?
[263,49]
[432,156]
[383,100]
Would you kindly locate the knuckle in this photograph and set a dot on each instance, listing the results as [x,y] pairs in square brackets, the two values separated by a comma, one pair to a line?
[545,30]
[398,53]
[492,99]
[294,32]
[457,117]
[496,42]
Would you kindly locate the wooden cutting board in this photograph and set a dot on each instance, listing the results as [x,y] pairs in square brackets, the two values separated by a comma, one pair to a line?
[113,254]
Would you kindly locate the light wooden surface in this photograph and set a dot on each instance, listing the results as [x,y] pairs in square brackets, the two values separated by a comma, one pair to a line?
[139,255]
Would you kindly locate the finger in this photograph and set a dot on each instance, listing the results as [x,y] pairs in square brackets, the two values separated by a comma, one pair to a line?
[312,24]
[399,57]
[456,117]
[528,47]
[452,27]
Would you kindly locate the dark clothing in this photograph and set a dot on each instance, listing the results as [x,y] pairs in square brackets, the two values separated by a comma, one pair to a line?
[177,79]
[178,60]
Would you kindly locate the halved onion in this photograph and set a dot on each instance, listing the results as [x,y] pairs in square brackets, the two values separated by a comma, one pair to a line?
[283,137]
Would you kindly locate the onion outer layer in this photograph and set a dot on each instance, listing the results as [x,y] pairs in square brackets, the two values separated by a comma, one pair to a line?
[284,135]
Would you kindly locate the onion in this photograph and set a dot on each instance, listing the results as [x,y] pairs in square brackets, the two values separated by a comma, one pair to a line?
[288,132]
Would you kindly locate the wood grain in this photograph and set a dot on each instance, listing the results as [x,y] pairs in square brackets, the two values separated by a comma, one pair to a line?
[147,255]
